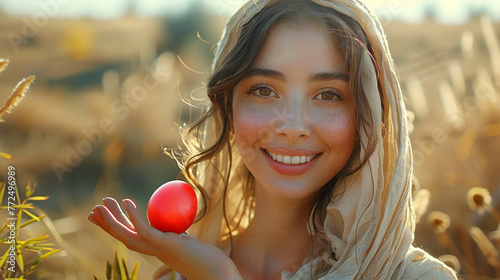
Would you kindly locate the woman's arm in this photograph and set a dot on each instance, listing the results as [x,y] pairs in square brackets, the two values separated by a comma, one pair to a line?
[183,253]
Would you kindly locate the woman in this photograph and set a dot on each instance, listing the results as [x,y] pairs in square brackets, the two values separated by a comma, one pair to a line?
[302,162]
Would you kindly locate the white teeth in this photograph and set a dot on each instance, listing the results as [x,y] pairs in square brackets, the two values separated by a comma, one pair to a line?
[290,160]
[302,159]
[279,158]
[287,159]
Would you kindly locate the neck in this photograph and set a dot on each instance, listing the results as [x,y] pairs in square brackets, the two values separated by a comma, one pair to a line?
[275,240]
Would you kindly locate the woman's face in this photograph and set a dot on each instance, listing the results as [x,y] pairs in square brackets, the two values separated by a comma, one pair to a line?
[294,115]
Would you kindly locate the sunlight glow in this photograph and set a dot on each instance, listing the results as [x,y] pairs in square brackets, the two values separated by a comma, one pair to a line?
[445,11]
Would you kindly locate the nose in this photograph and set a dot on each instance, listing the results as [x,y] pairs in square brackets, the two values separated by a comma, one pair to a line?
[291,121]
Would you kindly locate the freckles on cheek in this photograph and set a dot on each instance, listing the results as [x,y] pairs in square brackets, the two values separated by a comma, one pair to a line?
[245,138]
[252,131]
[245,125]
[338,128]
[250,122]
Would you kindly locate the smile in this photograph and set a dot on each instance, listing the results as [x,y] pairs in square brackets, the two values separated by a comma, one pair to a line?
[290,160]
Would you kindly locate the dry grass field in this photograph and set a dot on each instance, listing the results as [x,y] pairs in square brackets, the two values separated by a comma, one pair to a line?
[107,98]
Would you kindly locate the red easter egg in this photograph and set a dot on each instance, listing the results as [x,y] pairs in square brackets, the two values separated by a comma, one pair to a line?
[172,207]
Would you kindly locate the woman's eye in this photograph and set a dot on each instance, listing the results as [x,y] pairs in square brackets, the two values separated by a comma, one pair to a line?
[328,96]
[263,91]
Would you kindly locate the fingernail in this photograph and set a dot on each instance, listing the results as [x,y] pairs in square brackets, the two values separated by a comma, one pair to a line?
[97,211]
[91,218]
[128,203]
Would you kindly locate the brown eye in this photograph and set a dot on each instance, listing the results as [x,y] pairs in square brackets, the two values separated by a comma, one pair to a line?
[264,91]
[327,96]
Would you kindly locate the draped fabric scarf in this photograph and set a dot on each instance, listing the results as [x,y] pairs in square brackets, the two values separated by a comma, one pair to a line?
[371,227]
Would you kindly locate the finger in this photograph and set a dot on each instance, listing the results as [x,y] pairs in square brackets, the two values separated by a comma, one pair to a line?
[115,209]
[107,221]
[145,231]
[92,217]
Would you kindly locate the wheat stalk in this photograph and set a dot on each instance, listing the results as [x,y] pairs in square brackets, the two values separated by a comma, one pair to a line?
[467,45]
[492,45]
[417,97]
[479,199]
[17,95]
[3,64]
[452,113]
[420,203]
[457,78]
[485,246]
[485,93]
[451,261]
[440,222]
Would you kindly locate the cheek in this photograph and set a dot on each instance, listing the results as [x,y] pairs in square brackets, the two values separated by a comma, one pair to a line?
[337,130]
[251,127]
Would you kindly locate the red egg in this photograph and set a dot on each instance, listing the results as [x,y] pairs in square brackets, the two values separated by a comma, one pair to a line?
[172,207]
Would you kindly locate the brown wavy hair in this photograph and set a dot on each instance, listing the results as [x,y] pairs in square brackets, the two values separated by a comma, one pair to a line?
[351,40]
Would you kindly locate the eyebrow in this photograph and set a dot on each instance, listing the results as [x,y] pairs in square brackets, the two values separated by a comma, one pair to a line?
[327,76]
[321,76]
[266,73]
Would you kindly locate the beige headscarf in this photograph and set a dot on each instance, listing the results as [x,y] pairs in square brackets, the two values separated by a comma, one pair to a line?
[371,227]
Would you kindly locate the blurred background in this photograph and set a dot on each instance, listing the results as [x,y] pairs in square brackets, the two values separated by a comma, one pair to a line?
[111,77]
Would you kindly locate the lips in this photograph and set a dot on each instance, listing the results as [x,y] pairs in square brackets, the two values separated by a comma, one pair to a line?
[291,163]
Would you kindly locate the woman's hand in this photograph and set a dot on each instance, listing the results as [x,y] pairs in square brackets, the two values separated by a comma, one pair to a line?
[185,254]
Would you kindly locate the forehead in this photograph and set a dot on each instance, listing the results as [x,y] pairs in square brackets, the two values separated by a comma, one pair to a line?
[300,44]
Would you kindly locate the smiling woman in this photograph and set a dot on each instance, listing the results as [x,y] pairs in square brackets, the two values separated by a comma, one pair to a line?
[308,111]
[302,160]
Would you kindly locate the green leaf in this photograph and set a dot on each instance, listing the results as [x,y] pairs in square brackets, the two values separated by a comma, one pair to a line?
[31,221]
[124,270]
[135,271]
[18,221]
[29,190]
[4,257]
[116,269]
[39,238]
[108,270]
[46,255]
[2,191]
[37,259]
[2,228]
[17,192]
[38,198]
[21,206]
[32,215]
[4,155]
[20,260]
